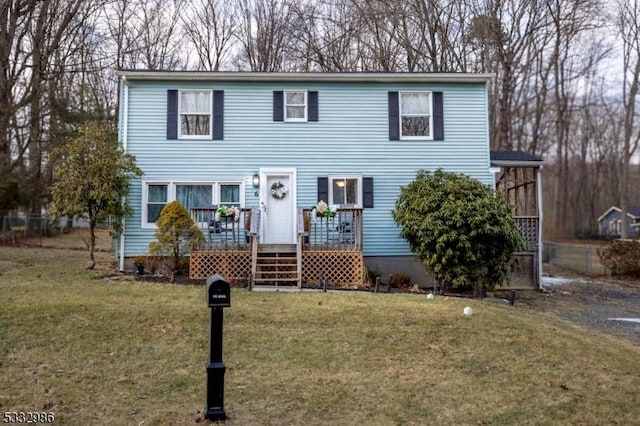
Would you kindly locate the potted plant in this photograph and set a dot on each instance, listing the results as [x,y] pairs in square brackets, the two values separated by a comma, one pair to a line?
[324,210]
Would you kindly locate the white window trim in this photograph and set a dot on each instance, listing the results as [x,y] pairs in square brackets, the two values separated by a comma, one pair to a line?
[210,135]
[358,189]
[430,101]
[306,106]
[145,200]
[171,193]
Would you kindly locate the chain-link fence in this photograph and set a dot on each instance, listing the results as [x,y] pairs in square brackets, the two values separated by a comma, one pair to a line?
[576,257]
[16,228]
[19,228]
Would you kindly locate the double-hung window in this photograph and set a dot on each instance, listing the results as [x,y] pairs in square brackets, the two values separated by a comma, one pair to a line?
[194,112]
[345,191]
[157,196]
[295,105]
[230,194]
[415,115]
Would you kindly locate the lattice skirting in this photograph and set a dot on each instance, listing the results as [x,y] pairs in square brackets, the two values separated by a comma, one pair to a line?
[337,267]
[231,264]
[529,228]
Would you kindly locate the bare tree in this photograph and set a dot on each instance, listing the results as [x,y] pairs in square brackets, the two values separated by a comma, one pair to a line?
[158,42]
[263,34]
[210,26]
[324,37]
[629,27]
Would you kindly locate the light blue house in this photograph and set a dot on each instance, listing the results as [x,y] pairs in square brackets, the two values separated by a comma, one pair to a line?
[275,144]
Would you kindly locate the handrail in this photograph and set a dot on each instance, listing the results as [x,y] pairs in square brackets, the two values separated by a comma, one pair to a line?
[227,232]
[341,230]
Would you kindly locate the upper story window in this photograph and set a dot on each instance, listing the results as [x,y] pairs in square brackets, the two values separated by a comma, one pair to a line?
[415,115]
[345,191]
[295,105]
[195,113]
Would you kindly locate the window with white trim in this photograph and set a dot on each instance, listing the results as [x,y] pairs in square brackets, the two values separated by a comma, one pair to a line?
[190,194]
[415,115]
[194,195]
[157,197]
[345,191]
[230,194]
[194,113]
[295,105]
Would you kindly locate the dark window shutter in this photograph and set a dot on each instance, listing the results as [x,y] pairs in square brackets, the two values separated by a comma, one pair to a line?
[278,105]
[367,192]
[323,189]
[172,114]
[312,113]
[438,117]
[218,115]
[394,117]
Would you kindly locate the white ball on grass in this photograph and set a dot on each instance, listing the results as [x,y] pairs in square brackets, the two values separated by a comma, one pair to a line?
[430,296]
[468,311]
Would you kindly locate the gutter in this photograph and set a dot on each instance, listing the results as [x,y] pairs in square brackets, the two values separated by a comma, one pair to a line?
[359,77]
[507,163]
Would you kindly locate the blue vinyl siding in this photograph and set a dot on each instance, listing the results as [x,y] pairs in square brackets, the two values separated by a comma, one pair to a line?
[351,137]
[616,215]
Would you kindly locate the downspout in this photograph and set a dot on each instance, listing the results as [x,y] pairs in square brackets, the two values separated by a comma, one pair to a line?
[125,127]
[539,197]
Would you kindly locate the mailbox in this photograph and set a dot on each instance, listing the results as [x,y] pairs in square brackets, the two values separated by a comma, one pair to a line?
[218,292]
[218,297]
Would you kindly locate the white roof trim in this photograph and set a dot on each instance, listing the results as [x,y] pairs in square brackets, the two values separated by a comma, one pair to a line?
[510,163]
[362,77]
[605,214]
[615,208]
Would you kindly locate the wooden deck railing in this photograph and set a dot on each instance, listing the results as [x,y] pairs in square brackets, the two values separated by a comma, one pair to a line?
[223,233]
[339,231]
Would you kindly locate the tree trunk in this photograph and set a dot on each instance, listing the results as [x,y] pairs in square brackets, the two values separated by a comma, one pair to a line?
[92,244]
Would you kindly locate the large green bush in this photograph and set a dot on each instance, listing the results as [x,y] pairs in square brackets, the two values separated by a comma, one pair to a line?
[459,228]
[176,234]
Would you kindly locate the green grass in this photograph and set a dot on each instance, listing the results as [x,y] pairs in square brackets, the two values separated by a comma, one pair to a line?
[104,351]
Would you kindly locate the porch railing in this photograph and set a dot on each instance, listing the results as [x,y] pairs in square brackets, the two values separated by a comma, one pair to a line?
[223,232]
[339,231]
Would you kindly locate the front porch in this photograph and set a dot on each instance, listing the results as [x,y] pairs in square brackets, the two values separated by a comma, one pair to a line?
[327,249]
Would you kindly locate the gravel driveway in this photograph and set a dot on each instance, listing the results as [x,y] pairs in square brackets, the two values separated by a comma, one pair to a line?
[607,305]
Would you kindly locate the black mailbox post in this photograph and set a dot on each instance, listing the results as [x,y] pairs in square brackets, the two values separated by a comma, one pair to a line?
[218,297]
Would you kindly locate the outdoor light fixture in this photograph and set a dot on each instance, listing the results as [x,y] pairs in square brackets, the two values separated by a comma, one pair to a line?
[256,183]
[340,183]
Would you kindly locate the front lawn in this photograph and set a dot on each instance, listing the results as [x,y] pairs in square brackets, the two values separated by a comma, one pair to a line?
[108,351]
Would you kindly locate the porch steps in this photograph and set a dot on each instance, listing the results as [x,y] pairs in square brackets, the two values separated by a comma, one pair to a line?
[276,248]
[276,265]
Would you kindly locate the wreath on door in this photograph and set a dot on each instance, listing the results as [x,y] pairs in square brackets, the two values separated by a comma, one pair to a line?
[278,190]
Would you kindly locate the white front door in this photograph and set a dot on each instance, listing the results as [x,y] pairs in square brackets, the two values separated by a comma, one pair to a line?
[278,211]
